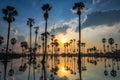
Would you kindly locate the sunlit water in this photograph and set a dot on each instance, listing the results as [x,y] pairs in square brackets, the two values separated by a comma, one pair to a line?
[93,71]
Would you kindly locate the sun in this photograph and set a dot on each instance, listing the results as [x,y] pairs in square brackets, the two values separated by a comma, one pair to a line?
[63,40]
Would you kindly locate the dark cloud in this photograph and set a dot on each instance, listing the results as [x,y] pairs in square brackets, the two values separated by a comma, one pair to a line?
[59,30]
[102,18]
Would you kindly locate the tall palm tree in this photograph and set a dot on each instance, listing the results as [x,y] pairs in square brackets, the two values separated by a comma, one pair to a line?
[13,42]
[103,41]
[30,23]
[36,33]
[9,13]
[46,8]
[79,7]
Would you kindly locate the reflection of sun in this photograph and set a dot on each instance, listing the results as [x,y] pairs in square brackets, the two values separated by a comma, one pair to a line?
[63,69]
[63,40]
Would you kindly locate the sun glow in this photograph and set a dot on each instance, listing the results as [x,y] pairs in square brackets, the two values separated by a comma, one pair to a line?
[63,40]
[63,69]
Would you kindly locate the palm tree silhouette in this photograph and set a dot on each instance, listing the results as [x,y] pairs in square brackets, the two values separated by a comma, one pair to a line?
[30,23]
[107,48]
[103,41]
[36,33]
[46,8]
[39,47]
[79,7]
[9,13]
[1,41]
[111,42]
[13,42]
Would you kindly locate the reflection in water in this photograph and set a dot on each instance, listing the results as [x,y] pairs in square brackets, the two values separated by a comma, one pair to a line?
[63,68]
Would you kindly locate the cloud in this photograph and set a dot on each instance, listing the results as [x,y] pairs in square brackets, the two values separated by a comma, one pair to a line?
[96,1]
[102,18]
[59,30]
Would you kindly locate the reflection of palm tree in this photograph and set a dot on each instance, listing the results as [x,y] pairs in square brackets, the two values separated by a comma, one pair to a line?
[105,71]
[79,7]
[9,13]
[103,41]
[46,8]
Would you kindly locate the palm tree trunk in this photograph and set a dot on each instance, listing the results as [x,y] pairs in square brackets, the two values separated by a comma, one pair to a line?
[79,54]
[5,64]
[8,38]
[45,52]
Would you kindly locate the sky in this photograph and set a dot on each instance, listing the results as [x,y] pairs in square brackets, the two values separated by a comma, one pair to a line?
[99,19]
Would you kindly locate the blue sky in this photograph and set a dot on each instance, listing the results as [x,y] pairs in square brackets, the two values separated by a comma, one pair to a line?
[98,15]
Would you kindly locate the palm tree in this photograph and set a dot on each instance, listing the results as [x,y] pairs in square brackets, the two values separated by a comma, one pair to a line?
[46,8]
[39,47]
[103,41]
[1,40]
[108,48]
[74,45]
[79,7]
[13,42]
[9,13]
[111,42]
[30,23]
[36,33]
